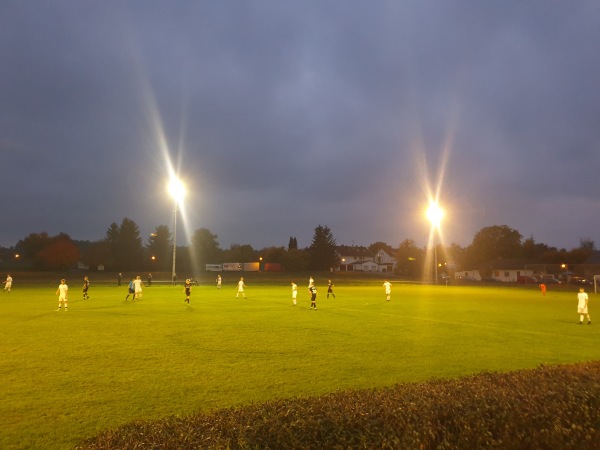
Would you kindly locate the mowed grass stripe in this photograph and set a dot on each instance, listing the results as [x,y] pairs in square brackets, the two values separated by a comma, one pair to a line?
[520,316]
[67,376]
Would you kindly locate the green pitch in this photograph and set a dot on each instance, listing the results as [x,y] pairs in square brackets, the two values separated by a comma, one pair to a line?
[68,375]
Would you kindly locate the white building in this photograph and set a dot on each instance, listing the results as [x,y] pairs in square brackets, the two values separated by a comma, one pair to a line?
[385,260]
[510,275]
[467,275]
[361,259]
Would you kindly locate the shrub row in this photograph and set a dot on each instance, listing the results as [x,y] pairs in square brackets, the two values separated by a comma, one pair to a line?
[550,407]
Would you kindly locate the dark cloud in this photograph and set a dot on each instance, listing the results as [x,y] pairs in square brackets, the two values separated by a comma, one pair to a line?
[286,115]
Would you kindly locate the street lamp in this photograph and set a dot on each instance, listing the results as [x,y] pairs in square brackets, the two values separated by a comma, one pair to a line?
[177,191]
[435,215]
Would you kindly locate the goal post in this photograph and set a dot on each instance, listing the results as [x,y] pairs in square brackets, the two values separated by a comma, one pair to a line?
[596,283]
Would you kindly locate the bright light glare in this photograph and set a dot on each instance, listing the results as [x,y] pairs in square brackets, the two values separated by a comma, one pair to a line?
[435,214]
[177,190]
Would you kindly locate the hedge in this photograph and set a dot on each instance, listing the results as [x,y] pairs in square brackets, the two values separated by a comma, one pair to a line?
[550,407]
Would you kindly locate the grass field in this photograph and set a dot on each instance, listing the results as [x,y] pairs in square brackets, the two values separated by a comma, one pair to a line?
[66,376]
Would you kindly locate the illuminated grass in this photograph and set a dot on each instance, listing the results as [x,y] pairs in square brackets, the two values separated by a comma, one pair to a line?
[68,376]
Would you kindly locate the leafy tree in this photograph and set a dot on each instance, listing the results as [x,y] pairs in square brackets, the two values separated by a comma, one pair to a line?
[554,256]
[291,259]
[322,252]
[410,259]
[376,246]
[534,251]
[44,252]
[29,247]
[240,253]
[183,263]
[160,246]
[495,242]
[82,245]
[578,256]
[98,254]
[60,254]
[296,260]
[456,254]
[205,247]
[587,244]
[273,254]
[6,254]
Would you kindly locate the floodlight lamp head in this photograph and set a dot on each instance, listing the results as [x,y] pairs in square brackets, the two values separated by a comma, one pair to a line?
[177,190]
[435,214]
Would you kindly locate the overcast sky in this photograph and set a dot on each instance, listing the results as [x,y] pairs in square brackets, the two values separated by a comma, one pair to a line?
[284,115]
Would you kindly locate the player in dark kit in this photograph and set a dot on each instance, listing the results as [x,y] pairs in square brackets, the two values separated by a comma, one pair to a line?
[86,286]
[313,296]
[130,291]
[187,287]
[330,288]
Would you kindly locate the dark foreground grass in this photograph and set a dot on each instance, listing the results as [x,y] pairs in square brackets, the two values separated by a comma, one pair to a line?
[551,407]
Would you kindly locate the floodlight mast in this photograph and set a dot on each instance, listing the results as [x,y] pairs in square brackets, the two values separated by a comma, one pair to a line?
[174,243]
[435,215]
[177,191]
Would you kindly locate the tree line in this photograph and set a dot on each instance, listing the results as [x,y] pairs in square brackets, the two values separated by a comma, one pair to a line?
[122,249]
[492,244]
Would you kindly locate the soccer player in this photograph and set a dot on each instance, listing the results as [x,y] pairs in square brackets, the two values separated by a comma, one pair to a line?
[137,286]
[187,288]
[218,281]
[86,286]
[62,292]
[388,289]
[330,288]
[240,288]
[313,296]
[130,291]
[8,284]
[582,307]
[294,292]
[543,289]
